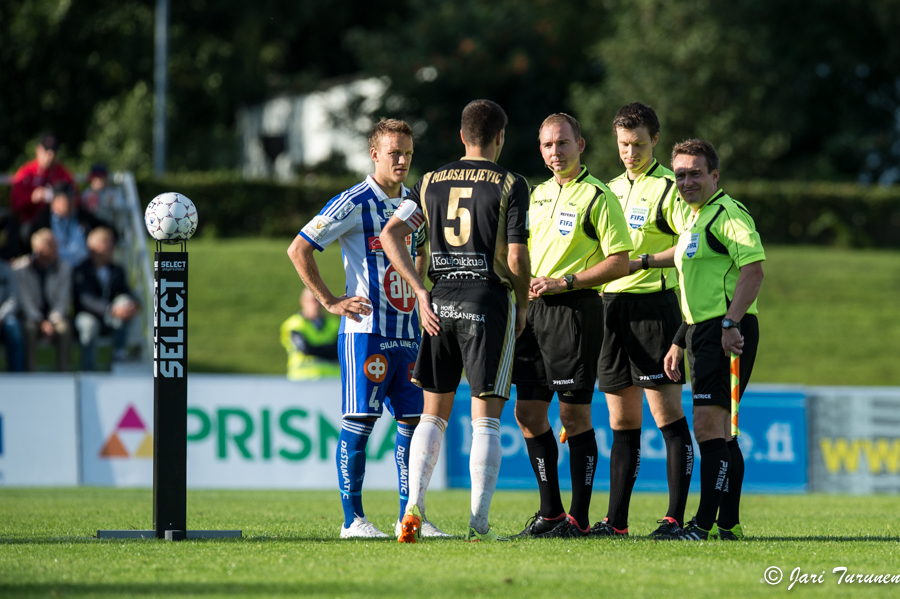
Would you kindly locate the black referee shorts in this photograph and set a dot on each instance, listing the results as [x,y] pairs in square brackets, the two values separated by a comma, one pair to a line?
[561,342]
[638,329]
[477,333]
[711,368]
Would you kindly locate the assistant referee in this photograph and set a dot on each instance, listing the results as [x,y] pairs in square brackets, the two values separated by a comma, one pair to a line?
[719,260]
[641,317]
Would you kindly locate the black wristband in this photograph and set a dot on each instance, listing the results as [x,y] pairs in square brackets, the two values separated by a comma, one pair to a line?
[645,261]
[681,335]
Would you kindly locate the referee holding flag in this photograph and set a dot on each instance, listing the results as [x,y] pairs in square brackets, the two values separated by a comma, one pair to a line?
[719,260]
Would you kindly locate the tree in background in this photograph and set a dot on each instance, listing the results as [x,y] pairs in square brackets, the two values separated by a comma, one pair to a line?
[807,89]
[785,90]
[521,54]
[85,70]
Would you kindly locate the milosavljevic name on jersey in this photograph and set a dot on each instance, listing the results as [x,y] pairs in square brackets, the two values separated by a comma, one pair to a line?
[355,218]
[472,210]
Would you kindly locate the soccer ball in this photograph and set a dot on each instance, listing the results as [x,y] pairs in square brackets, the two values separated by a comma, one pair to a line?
[171,218]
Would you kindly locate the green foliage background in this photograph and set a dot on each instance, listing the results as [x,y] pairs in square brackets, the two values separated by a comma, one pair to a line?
[805,90]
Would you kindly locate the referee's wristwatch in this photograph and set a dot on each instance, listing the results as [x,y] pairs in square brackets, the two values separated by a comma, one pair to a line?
[645,261]
[727,323]
[570,282]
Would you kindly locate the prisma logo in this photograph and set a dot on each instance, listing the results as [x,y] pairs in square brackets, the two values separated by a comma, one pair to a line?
[130,439]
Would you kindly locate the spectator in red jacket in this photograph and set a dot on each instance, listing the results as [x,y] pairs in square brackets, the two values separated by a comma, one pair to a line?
[33,183]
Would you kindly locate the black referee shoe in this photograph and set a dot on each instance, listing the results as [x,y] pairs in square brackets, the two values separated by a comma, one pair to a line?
[567,529]
[667,526]
[539,525]
[605,529]
[692,532]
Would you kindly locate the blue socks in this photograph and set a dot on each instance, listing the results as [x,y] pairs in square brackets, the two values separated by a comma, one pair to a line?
[401,456]
[351,466]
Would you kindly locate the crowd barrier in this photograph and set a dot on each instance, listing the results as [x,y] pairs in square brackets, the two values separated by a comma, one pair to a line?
[264,432]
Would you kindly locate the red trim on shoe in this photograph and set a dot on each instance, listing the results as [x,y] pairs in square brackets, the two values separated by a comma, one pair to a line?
[672,520]
[624,531]
[560,517]
[574,523]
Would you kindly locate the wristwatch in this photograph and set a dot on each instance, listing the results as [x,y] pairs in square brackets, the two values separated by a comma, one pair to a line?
[570,282]
[645,261]
[727,323]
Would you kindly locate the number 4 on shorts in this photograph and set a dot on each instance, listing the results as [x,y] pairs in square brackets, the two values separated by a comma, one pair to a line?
[373,399]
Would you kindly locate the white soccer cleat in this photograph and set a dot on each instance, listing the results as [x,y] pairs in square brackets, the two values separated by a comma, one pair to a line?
[362,528]
[428,530]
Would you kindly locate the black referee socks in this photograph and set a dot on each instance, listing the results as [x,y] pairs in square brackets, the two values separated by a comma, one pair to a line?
[730,507]
[624,464]
[714,460]
[544,455]
[679,466]
[582,465]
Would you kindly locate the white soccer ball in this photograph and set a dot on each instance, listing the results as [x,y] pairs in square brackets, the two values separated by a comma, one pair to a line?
[171,218]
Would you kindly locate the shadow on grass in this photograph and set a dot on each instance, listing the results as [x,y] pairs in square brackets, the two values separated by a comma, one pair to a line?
[822,538]
[334,588]
[77,540]
[330,539]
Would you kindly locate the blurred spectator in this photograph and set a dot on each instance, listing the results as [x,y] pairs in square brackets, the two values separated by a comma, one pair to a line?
[100,198]
[33,182]
[70,224]
[103,301]
[10,327]
[45,292]
[10,236]
[310,338]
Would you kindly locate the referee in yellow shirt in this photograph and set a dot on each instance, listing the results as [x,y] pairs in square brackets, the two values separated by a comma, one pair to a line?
[719,260]
[641,317]
[578,240]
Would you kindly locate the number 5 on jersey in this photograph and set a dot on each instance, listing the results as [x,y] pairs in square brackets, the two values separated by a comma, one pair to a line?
[454,212]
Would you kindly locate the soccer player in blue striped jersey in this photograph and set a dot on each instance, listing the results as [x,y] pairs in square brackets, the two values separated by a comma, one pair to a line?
[379,336]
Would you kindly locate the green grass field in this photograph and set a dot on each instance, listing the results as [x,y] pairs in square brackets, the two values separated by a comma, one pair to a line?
[291,548]
[827,315]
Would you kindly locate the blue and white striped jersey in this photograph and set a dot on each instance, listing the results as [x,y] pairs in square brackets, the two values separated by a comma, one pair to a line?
[355,218]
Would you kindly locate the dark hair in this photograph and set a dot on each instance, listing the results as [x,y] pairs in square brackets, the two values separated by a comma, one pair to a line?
[389,127]
[48,141]
[636,115]
[562,117]
[698,147]
[98,170]
[482,120]
[63,187]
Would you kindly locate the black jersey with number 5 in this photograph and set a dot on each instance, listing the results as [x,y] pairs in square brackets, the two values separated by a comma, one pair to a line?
[473,209]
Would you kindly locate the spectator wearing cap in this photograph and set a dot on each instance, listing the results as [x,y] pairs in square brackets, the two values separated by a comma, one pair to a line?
[33,183]
[45,292]
[10,326]
[104,303]
[70,224]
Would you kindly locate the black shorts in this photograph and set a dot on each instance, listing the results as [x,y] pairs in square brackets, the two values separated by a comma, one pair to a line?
[478,333]
[711,368]
[637,332]
[561,342]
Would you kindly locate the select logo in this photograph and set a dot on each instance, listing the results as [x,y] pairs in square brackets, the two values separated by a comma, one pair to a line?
[130,439]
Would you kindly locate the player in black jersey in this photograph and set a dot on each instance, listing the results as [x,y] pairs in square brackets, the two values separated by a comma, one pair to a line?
[476,224]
